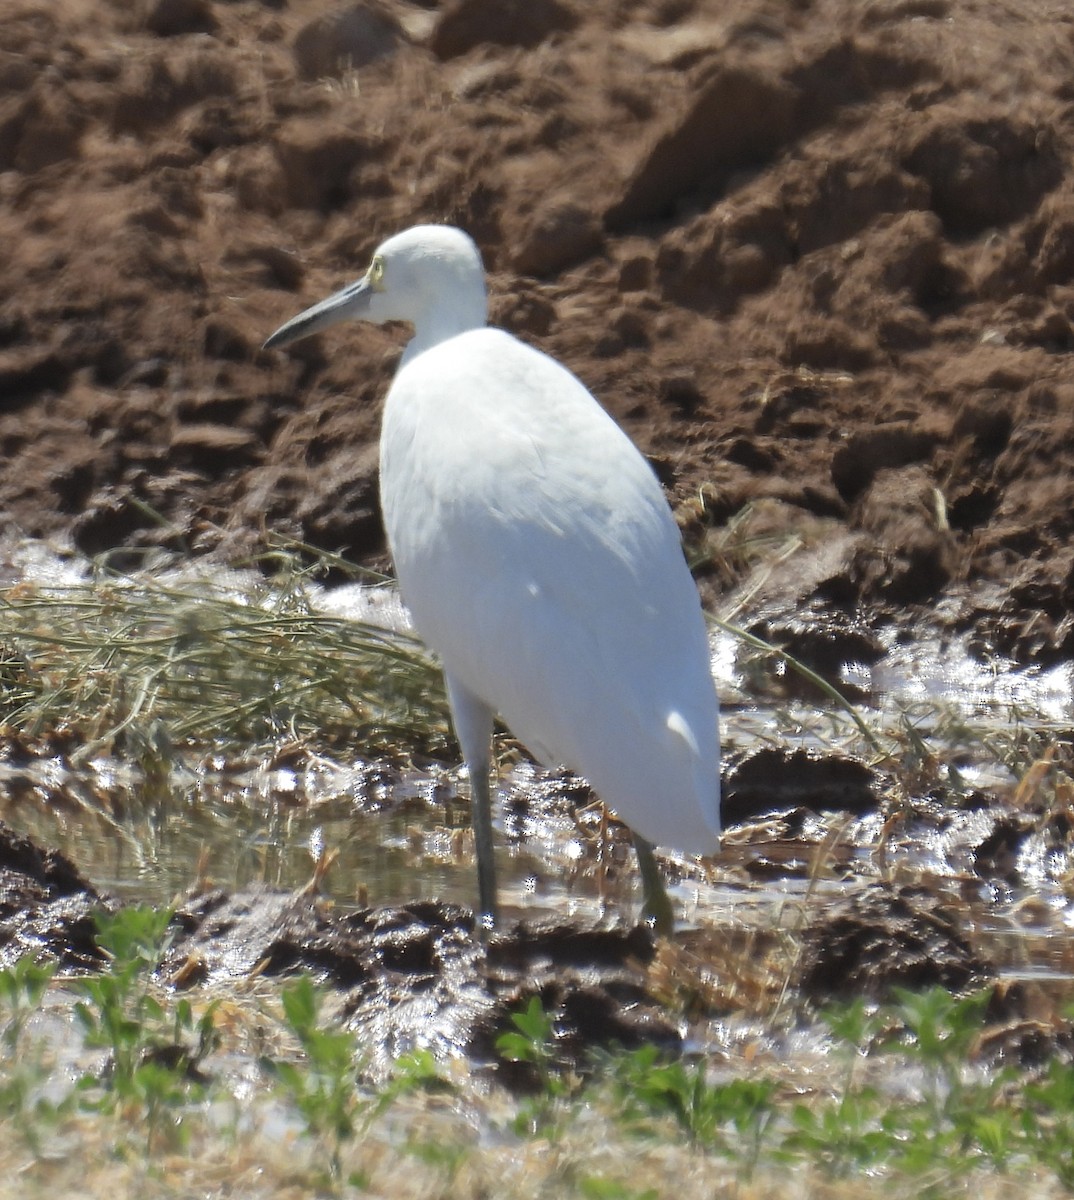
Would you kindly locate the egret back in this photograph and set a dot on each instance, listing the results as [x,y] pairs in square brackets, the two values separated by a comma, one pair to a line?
[540,560]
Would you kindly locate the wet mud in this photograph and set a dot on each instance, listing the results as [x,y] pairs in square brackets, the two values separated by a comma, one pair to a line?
[804,907]
[885,937]
[46,906]
[419,974]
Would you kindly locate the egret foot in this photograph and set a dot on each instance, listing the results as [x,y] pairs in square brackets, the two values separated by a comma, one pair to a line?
[656,905]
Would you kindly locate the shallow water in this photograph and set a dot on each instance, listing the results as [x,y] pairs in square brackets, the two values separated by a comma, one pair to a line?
[397,834]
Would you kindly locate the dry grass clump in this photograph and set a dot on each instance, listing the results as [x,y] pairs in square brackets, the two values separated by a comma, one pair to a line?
[137,666]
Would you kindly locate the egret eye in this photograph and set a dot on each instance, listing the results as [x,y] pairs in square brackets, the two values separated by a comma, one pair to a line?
[376,273]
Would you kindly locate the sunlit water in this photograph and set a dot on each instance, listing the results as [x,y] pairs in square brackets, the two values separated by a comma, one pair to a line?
[399,834]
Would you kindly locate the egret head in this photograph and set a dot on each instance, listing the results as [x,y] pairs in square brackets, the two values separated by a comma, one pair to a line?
[430,275]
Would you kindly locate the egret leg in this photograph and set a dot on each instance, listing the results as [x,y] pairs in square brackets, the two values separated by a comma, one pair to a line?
[473,720]
[481,816]
[656,905]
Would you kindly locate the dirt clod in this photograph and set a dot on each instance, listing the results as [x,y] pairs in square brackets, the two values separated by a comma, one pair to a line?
[887,937]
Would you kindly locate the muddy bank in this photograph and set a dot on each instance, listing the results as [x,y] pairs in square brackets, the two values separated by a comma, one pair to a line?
[816,257]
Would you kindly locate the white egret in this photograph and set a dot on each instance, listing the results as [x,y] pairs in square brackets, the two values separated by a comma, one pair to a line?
[538,557]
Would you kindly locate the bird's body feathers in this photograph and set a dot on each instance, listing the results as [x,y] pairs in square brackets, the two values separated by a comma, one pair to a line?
[539,558]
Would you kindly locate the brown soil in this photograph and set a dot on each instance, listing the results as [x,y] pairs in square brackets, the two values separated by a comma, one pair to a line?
[814,254]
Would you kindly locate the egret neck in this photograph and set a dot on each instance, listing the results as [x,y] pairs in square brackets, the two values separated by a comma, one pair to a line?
[436,322]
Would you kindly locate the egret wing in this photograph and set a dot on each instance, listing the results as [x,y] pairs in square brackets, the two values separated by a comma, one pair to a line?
[539,558]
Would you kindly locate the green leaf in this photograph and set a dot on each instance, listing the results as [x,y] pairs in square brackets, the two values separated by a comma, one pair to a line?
[300,1005]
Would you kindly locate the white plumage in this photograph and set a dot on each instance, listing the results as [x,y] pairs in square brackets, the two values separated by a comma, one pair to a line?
[536,552]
